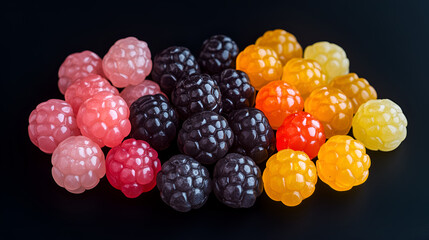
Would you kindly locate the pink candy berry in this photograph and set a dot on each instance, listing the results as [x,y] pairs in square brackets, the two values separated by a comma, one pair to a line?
[134,92]
[132,167]
[78,65]
[78,164]
[50,123]
[104,119]
[86,87]
[128,62]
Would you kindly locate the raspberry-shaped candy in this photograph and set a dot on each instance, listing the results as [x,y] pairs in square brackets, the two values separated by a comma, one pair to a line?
[217,54]
[380,125]
[332,108]
[132,167]
[127,62]
[78,164]
[290,176]
[284,43]
[184,183]
[301,132]
[50,123]
[356,89]
[104,119]
[171,65]
[277,100]
[196,93]
[261,64]
[154,120]
[304,74]
[331,57]
[253,135]
[237,181]
[343,163]
[206,136]
[134,92]
[85,88]
[236,90]
[78,65]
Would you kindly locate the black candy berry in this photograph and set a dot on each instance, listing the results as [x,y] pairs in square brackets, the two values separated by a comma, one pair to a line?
[184,183]
[154,120]
[253,135]
[217,53]
[237,181]
[171,65]
[206,136]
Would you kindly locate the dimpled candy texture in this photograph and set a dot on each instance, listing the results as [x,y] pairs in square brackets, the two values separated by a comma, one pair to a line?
[343,163]
[134,92]
[85,88]
[290,176]
[217,54]
[380,125]
[304,74]
[332,108]
[78,164]
[237,92]
[78,65]
[171,65]
[154,120]
[284,44]
[331,57]
[132,167]
[196,93]
[237,181]
[261,64]
[50,123]
[356,89]
[183,183]
[277,100]
[104,119]
[206,136]
[128,62]
[253,135]
[301,132]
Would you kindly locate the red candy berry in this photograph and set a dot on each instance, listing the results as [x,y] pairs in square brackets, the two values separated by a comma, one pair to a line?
[132,167]
[301,132]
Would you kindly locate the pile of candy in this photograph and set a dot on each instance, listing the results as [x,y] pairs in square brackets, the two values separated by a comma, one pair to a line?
[228,108]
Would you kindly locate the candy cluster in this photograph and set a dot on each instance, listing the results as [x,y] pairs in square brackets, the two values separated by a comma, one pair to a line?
[225,108]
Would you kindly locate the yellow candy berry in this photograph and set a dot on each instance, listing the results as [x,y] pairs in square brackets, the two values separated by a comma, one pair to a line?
[284,43]
[343,163]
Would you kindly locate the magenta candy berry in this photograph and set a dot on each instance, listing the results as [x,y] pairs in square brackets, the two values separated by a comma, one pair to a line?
[50,123]
[86,87]
[104,119]
[78,65]
[127,62]
[78,164]
[132,167]
[134,92]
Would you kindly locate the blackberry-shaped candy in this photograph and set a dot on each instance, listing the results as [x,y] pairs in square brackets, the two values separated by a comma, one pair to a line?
[196,93]
[217,53]
[171,65]
[184,183]
[206,136]
[154,120]
[237,181]
[253,135]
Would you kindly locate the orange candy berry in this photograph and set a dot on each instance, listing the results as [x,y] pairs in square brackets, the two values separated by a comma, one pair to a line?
[283,43]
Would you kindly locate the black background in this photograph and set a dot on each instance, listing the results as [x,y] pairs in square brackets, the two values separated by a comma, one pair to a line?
[386,43]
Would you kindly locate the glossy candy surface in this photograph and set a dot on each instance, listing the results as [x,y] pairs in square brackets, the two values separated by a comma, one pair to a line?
[380,125]
[133,92]
[290,176]
[283,43]
[217,54]
[343,163]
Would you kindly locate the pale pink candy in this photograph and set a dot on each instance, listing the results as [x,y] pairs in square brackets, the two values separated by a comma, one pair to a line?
[78,164]
[134,92]
[78,65]
[128,62]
